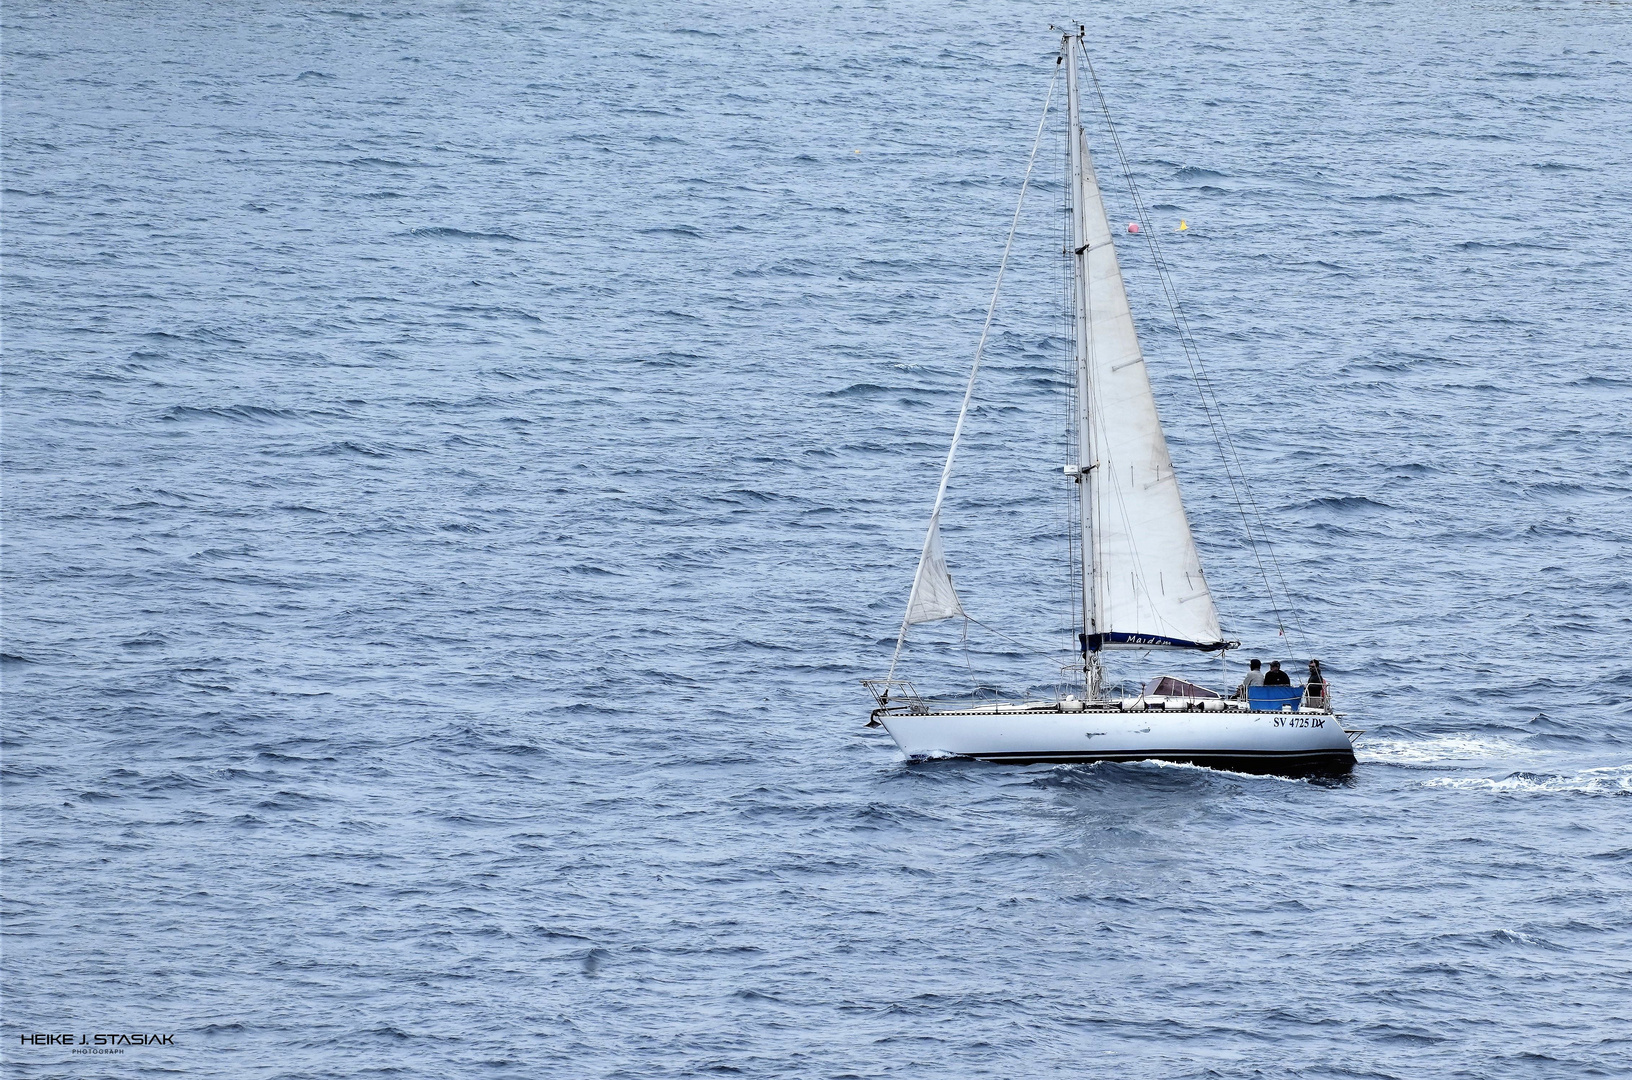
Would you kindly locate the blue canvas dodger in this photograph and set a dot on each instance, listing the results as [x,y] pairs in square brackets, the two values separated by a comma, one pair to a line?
[1272,698]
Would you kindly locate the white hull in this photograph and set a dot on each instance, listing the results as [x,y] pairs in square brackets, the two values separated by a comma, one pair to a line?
[1302,742]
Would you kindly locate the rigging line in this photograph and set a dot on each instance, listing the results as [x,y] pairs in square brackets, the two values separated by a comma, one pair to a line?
[967,664]
[969,391]
[1031,649]
[1210,402]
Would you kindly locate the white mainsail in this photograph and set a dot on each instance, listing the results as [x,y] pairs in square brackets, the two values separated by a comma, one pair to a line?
[1147,584]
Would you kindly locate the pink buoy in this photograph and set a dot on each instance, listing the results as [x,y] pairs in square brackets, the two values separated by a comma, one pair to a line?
[1133,226]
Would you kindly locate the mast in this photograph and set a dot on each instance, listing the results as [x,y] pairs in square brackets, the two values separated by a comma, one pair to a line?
[1083,329]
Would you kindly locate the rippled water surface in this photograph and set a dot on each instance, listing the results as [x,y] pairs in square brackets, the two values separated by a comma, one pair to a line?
[460,460]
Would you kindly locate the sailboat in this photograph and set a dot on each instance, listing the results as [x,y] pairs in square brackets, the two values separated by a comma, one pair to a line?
[1137,582]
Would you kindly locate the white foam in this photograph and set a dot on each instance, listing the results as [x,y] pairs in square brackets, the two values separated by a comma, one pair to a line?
[1212,769]
[1439,749]
[1610,780]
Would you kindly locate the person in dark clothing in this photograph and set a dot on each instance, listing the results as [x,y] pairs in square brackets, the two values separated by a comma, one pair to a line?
[1275,676]
[1315,688]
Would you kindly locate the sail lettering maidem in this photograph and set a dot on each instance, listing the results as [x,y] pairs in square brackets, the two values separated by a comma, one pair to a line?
[1149,589]
[933,596]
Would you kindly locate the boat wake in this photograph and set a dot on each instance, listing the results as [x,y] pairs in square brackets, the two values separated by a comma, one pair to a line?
[1608,780]
[1440,749]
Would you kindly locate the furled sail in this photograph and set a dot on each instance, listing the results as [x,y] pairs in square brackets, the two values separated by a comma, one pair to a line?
[933,596]
[1148,585]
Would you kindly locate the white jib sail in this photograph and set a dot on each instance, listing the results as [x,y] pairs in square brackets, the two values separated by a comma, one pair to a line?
[933,596]
[1147,575]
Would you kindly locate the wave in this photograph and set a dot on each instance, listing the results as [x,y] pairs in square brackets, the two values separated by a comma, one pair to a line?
[1543,730]
[686,231]
[496,312]
[1346,504]
[254,414]
[443,232]
[345,447]
[381,163]
[863,390]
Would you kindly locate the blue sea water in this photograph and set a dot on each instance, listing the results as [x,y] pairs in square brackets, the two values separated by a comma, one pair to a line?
[459,461]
